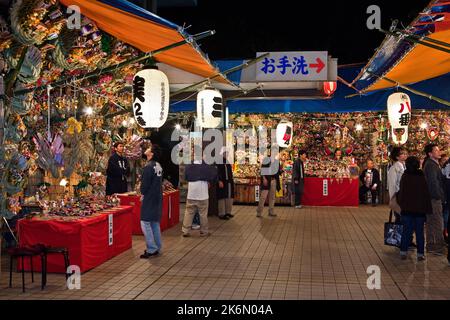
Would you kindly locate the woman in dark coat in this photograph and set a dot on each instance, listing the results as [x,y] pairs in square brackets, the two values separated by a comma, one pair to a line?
[152,196]
[415,201]
[225,188]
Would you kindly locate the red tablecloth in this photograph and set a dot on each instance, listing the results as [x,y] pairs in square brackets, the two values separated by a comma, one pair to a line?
[170,210]
[87,239]
[331,192]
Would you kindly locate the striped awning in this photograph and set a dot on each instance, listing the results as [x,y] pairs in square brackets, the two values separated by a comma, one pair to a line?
[405,62]
[147,32]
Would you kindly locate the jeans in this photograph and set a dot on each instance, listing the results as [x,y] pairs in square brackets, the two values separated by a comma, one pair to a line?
[152,234]
[411,224]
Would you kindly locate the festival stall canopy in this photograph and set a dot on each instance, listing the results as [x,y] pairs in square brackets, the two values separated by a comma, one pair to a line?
[147,32]
[406,61]
[373,101]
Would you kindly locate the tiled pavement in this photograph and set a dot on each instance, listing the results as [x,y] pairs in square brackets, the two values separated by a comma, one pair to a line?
[312,253]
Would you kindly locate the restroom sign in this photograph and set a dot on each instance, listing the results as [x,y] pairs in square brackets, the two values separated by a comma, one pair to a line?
[325,188]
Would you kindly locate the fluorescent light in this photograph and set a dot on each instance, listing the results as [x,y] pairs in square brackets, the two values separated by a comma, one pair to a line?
[359,127]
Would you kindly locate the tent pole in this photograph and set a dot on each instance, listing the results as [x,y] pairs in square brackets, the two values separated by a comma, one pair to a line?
[438,42]
[414,41]
[419,93]
[119,65]
[195,85]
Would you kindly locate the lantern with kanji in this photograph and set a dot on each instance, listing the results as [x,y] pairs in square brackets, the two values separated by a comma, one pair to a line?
[285,134]
[150,98]
[399,112]
[329,87]
[210,108]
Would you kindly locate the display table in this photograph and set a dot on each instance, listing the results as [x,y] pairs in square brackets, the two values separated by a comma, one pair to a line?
[170,210]
[323,192]
[90,240]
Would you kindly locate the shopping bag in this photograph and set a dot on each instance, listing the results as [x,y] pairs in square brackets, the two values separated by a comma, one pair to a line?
[392,233]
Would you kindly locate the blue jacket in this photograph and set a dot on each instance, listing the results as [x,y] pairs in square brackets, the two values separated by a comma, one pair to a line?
[151,189]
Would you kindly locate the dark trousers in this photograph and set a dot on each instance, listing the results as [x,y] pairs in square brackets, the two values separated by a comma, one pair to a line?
[413,224]
[298,191]
[448,238]
[362,194]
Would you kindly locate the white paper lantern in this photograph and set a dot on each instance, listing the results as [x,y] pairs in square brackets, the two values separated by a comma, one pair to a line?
[285,133]
[210,108]
[399,112]
[150,98]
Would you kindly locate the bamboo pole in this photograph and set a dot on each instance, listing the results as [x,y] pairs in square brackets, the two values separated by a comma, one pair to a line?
[97,73]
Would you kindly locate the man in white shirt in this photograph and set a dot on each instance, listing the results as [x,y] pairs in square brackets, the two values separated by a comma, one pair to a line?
[198,176]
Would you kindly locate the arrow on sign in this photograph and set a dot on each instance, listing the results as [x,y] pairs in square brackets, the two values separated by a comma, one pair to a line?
[319,66]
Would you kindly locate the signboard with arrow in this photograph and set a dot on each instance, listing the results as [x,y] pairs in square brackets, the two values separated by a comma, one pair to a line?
[293,66]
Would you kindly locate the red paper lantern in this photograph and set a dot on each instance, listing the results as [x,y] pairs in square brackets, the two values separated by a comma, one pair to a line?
[329,87]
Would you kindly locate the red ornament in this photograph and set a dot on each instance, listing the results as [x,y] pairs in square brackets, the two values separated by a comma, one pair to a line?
[329,87]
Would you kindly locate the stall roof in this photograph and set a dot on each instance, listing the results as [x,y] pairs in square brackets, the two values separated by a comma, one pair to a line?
[374,101]
[408,63]
[147,32]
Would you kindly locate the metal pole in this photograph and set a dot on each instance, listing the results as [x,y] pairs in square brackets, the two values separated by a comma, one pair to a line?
[12,233]
[441,43]
[145,56]
[414,41]
[244,65]
[419,93]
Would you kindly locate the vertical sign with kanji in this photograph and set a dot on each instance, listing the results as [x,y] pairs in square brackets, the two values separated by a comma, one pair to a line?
[293,66]
[256,193]
[325,188]
[110,229]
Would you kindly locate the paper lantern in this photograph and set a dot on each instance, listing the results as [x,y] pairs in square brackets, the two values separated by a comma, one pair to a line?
[329,87]
[399,113]
[210,108]
[150,98]
[285,134]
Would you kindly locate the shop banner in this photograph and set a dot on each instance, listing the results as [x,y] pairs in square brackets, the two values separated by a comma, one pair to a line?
[257,193]
[293,66]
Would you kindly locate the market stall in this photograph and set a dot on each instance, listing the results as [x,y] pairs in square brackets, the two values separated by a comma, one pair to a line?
[170,210]
[93,234]
[338,147]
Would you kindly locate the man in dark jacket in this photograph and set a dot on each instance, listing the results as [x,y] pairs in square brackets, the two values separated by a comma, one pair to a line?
[435,182]
[298,177]
[370,179]
[117,171]
[225,188]
[151,207]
